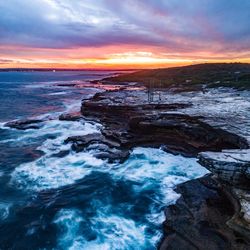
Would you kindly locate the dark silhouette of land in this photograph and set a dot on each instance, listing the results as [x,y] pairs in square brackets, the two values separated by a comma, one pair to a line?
[211,74]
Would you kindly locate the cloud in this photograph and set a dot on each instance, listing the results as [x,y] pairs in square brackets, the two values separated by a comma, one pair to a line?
[179,26]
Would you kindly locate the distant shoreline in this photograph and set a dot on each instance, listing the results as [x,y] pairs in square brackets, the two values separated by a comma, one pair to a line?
[55,70]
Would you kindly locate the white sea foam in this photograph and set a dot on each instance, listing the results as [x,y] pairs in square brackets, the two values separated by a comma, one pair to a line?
[2,125]
[52,172]
[116,232]
[111,232]
[151,172]
[73,106]
[61,129]
[149,169]
[59,93]
[39,85]
[154,169]
[149,166]
[4,210]
[69,221]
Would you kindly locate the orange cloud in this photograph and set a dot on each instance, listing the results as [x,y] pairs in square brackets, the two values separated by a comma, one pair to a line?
[108,57]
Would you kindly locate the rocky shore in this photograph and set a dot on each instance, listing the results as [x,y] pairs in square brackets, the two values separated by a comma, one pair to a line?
[213,211]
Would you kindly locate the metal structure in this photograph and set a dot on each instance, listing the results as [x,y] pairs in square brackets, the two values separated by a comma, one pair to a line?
[155,90]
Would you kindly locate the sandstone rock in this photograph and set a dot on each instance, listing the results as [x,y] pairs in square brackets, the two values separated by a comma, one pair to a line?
[70,117]
[156,125]
[113,155]
[81,142]
[231,166]
[25,124]
[240,222]
[198,219]
[104,148]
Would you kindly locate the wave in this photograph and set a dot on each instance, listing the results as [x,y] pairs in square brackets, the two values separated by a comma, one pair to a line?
[4,209]
[118,219]
[59,93]
[108,231]
[50,171]
[151,174]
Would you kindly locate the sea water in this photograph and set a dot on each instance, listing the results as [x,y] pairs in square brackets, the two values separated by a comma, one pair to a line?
[75,201]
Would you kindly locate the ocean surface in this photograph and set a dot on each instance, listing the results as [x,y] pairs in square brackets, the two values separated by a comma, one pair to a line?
[50,200]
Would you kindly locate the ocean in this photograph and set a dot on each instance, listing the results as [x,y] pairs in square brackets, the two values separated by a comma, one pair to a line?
[50,200]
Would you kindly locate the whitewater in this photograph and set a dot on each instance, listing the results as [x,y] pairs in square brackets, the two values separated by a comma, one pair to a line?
[54,198]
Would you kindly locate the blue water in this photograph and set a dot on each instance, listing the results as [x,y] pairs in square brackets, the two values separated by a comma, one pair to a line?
[76,201]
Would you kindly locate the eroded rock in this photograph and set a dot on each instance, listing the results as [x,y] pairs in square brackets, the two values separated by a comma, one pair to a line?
[230,166]
[137,123]
[76,116]
[240,222]
[25,124]
[199,218]
[103,147]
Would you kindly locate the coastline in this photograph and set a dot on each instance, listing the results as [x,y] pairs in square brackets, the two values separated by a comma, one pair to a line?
[129,120]
[211,199]
[125,125]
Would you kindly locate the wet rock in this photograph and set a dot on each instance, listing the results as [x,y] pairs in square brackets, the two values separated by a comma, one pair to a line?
[81,142]
[104,148]
[240,222]
[61,154]
[230,166]
[199,218]
[98,146]
[70,117]
[248,173]
[25,124]
[137,123]
[113,155]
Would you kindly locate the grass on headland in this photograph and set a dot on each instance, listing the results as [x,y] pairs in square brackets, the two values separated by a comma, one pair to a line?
[235,75]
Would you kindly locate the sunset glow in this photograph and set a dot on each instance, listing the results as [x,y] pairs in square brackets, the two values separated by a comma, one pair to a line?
[118,34]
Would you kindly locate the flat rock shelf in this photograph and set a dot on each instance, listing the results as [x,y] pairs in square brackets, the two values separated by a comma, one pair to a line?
[213,211]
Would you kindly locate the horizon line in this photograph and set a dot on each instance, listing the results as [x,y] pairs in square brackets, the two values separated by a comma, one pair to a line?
[107,69]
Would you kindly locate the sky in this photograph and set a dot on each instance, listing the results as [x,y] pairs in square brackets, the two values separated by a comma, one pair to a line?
[112,34]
